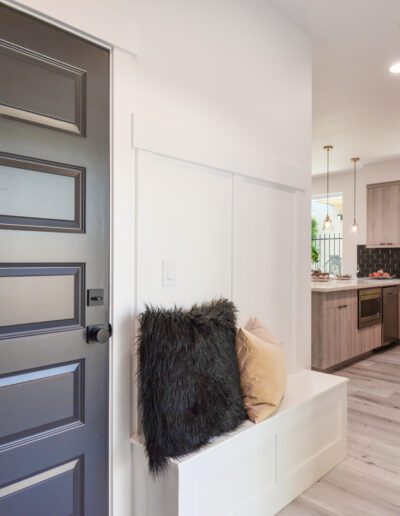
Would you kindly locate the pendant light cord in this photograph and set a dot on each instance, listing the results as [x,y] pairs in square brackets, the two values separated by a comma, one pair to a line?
[355,197]
[327,182]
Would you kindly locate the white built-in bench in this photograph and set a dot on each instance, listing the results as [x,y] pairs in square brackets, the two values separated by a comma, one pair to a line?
[258,469]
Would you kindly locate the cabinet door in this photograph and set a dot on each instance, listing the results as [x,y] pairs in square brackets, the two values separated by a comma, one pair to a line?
[369,338]
[383,214]
[392,215]
[390,327]
[341,332]
[377,200]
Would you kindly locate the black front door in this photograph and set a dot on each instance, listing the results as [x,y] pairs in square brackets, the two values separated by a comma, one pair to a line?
[54,270]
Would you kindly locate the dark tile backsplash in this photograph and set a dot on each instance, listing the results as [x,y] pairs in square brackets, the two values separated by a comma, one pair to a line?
[370,260]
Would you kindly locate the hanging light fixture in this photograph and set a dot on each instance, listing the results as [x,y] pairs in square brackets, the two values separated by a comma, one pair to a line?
[354,227]
[328,226]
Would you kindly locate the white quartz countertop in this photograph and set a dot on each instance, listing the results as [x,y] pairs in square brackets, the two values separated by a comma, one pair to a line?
[353,284]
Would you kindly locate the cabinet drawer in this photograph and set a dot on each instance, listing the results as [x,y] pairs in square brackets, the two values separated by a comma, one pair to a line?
[340,299]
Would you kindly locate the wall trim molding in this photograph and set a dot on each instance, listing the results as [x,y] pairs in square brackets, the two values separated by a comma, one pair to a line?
[151,134]
[66,18]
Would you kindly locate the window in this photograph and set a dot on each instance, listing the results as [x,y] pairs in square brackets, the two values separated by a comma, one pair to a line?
[327,247]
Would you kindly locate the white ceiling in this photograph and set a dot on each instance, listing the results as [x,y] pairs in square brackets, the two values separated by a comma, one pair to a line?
[356,101]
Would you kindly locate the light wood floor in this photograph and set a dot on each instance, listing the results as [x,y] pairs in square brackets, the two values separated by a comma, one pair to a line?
[367,482]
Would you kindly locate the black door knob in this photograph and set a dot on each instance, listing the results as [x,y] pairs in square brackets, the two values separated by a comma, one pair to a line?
[98,333]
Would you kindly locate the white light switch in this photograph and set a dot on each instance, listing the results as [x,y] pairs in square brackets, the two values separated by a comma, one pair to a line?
[169,272]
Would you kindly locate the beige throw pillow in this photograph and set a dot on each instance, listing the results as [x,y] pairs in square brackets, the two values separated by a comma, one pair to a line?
[256,327]
[262,373]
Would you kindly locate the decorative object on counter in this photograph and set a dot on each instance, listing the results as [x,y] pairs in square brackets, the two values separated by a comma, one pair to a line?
[328,226]
[189,383]
[371,259]
[343,276]
[262,367]
[319,276]
[354,227]
[381,275]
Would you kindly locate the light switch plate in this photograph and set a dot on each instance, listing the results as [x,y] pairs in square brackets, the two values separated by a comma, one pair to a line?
[168,272]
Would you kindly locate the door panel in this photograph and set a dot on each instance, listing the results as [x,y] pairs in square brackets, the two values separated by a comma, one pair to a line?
[41,298]
[38,194]
[39,400]
[54,246]
[49,81]
[57,491]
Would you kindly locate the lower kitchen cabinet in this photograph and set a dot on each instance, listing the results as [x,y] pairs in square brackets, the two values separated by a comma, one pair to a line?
[341,338]
[335,334]
[368,339]
[391,314]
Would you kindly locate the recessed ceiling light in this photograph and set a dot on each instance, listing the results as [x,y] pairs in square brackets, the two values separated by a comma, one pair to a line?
[395,68]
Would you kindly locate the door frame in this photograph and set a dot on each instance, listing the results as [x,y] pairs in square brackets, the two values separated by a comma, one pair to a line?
[122,248]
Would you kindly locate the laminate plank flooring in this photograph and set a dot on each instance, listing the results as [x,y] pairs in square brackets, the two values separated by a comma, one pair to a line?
[367,482]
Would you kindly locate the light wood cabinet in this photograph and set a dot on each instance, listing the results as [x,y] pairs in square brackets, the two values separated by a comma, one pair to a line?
[335,334]
[383,214]
[391,314]
[341,337]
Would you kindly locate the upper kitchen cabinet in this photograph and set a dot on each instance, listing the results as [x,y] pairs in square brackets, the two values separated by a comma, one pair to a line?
[383,214]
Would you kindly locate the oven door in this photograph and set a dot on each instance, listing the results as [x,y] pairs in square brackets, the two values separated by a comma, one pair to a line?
[369,307]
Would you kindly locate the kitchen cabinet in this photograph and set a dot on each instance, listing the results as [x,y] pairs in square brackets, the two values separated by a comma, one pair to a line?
[335,335]
[334,329]
[391,315]
[383,214]
[341,325]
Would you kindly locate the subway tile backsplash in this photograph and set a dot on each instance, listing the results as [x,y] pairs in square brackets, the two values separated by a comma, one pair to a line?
[372,259]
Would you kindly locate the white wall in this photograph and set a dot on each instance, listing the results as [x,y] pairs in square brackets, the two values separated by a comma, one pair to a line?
[184,214]
[368,174]
[222,89]
[226,75]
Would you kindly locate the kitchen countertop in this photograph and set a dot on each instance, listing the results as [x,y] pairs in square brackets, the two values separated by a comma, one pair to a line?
[353,284]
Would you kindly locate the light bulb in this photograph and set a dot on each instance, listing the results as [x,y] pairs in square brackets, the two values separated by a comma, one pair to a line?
[395,68]
[354,227]
[328,226]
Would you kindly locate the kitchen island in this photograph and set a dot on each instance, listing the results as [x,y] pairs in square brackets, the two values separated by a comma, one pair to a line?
[350,318]
[352,284]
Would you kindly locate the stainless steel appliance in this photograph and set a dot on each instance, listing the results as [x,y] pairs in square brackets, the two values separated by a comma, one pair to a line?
[369,307]
[391,315]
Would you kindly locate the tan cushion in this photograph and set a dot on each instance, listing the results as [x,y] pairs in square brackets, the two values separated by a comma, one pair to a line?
[256,327]
[262,374]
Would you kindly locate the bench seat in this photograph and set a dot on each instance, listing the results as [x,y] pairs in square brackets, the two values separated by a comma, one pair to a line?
[257,469]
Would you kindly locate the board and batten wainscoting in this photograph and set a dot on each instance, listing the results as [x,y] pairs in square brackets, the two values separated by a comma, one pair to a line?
[227,236]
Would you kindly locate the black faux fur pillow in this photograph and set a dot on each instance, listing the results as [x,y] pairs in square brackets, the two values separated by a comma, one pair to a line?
[189,384]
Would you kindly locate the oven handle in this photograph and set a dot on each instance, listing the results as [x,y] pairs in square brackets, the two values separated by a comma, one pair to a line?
[371,296]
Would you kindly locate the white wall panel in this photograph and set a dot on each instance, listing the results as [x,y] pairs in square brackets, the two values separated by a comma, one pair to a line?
[183,214]
[263,254]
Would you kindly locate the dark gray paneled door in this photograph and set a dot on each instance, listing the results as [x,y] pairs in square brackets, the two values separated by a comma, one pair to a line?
[54,270]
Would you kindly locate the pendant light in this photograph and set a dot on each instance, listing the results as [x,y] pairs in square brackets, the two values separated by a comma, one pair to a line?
[354,227]
[328,226]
